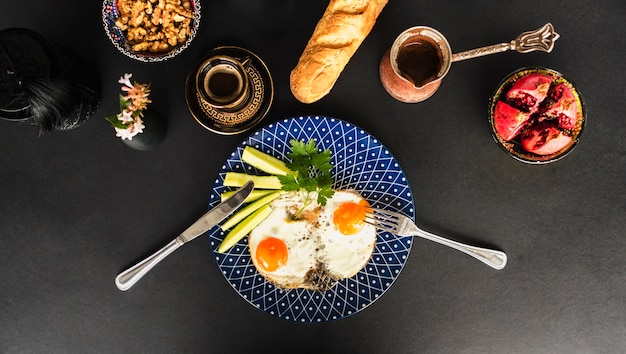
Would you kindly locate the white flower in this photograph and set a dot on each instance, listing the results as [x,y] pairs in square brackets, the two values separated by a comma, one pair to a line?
[126,116]
[125,80]
[124,133]
[138,126]
[132,130]
[135,100]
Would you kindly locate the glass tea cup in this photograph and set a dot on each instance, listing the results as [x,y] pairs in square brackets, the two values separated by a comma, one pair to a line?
[223,83]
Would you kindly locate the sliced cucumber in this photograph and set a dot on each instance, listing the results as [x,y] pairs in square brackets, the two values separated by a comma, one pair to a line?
[244,228]
[254,195]
[238,179]
[249,209]
[264,162]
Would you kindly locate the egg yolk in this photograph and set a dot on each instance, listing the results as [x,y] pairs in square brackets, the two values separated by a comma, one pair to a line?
[271,253]
[349,218]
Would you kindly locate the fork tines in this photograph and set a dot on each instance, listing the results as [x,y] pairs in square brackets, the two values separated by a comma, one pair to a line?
[383,219]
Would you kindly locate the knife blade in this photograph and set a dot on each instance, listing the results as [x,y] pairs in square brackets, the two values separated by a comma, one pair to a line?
[129,277]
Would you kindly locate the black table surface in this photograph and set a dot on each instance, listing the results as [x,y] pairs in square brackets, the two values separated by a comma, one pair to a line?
[79,206]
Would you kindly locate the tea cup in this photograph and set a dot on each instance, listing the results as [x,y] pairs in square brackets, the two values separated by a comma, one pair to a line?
[222,82]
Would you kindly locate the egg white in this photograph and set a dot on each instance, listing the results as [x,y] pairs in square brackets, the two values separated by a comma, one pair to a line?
[344,255]
[297,235]
[318,254]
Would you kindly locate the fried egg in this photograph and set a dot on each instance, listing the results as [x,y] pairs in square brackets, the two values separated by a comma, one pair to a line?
[316,248]
[348,241]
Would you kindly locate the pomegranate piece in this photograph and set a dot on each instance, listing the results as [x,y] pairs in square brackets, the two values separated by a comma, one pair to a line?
[508,120]
[544,138]
[528,92]
[562,106]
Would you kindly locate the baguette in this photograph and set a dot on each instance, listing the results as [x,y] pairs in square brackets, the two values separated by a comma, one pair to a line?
[338,34]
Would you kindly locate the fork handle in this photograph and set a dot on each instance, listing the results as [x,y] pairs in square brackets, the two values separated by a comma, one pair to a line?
[493,258]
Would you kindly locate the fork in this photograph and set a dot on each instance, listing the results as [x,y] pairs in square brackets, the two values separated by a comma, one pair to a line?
[402,225]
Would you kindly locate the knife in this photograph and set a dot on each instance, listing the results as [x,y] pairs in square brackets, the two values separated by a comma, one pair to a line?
[129,277]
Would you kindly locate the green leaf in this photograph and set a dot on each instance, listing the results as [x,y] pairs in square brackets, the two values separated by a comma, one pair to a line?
[124,103]
[312,168]
[296,165]
[297,149]
[289,183]
[311,147]
[324,194]
[116,123]
[308,184]
[324,180]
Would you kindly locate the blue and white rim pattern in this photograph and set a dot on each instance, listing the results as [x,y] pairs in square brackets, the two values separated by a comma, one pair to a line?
[360,162]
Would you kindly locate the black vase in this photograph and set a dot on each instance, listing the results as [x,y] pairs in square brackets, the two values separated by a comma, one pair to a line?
[152,135]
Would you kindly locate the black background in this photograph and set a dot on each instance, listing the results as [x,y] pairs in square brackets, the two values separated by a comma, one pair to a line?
[78,207]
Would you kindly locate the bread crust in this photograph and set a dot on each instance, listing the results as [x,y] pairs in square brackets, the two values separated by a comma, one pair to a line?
[343,27]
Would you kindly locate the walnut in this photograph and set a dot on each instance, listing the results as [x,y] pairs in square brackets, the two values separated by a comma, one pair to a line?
[155,25]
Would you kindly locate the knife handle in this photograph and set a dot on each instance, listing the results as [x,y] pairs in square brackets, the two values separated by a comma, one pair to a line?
[130,276]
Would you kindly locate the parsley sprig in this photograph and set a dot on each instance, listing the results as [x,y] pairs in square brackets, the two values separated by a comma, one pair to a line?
[312,172]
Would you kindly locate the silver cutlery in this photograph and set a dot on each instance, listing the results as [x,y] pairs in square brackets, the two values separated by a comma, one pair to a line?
[129,277]
[402,225]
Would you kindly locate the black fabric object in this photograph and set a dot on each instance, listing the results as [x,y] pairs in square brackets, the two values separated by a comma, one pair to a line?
[43,85]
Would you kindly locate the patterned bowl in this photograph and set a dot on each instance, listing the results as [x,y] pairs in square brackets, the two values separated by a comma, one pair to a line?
[111,13]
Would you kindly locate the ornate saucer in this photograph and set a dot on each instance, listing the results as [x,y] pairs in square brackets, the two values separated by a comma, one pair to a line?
[251,112]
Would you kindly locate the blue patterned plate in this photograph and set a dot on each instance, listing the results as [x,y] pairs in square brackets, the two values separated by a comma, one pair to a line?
[110,13]
[360,162]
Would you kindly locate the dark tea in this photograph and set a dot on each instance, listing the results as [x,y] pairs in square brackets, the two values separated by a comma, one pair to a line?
[419,62]
[223,84]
